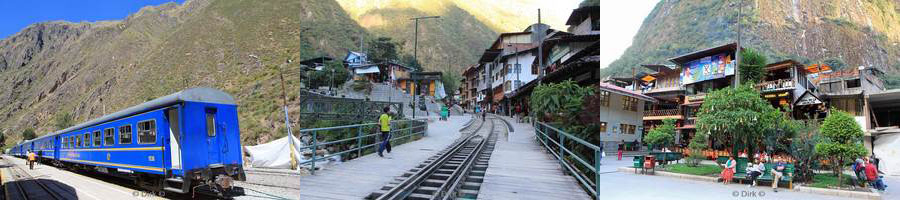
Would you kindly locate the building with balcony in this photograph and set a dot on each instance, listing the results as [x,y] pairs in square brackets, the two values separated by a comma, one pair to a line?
[787,87]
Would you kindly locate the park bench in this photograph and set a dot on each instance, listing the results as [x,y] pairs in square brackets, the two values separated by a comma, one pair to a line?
[788,174]
[666,157]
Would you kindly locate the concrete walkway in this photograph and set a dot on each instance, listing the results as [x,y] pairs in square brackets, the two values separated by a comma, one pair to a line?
[76,186]
[357,178]
[521,169]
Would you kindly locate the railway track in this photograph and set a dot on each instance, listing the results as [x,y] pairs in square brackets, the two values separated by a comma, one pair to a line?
[456,172]
[24,186]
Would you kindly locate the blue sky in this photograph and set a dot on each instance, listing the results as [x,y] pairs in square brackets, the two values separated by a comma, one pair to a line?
[18,14]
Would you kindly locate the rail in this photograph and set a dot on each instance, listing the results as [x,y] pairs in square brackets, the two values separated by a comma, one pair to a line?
[555,141]
[409,128]
[668,112]
[779,84]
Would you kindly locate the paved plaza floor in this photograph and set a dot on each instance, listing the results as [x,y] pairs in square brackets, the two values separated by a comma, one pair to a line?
[619,185]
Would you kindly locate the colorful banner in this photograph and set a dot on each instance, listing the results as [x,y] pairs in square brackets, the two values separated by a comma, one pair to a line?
[707,68]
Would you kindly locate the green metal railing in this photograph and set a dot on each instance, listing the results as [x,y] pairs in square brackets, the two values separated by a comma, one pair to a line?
[561,144]
[366,136]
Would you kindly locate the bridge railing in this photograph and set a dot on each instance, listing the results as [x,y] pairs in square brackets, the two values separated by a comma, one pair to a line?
[356,138]
[567,149]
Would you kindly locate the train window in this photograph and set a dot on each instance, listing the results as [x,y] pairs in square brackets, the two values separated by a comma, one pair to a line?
[87,139]
[147,132]
[125,134]
[210,124]
[64,143]
[108,139]
[77,141]
[97,138]
[71,141]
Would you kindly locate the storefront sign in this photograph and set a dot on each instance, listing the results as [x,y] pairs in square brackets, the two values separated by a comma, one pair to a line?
[774,95]
[707,68]
[808,99]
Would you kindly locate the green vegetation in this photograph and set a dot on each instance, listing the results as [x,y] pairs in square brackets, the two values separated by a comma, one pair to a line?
[753,66]
[334,74]
[700,170]
[559,102]
[843,140]
[662,136]
[803,148]
[63,120]
[28,134]
[737,114]
[451,81]
[384,49]
[590,3]
[836,63]
[828,180]
[697,145]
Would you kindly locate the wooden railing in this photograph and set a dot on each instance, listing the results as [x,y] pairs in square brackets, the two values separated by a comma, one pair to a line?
[668,112]
[775,85]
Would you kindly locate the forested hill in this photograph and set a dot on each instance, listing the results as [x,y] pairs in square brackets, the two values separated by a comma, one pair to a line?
[840,33]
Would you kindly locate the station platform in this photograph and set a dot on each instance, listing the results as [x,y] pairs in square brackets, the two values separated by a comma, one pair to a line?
[71,185]
[357,178]
[520,169]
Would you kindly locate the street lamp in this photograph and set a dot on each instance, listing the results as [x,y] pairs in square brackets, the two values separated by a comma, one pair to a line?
[416,58]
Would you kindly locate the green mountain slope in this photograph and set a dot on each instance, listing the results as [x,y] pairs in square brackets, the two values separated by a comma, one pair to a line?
[92,69]
[851,33]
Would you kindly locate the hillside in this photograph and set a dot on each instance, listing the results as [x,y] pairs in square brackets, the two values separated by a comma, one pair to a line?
[839,33]
[92,69]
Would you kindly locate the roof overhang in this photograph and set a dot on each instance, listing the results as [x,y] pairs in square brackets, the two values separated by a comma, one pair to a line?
[681,60]
[884,99]
[578,15]
[490,55]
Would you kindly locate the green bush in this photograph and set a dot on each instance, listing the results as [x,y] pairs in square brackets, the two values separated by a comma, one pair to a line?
[662,136]
[843,139]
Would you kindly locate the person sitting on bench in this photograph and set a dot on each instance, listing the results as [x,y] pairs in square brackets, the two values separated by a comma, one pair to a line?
[754,171]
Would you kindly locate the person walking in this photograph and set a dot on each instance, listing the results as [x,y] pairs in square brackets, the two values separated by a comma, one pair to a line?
[754,170]
[621,149]
[30,160]
[384,123]
[483,115]
[728,173]
[777,173]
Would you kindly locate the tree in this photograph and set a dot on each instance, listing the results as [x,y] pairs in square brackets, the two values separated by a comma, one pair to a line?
[803,148]
[836,64]
[28,134]
[558,102]
[590,3]
[2,138]
[63,120]
[384,49]
[324,76]
[451,81]
[737,114]
[843,140]
[662,136]
[410,61]
[753,64]
[698,143]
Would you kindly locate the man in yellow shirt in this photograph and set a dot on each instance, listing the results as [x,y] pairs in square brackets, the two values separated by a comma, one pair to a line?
[384,123]
[30,160]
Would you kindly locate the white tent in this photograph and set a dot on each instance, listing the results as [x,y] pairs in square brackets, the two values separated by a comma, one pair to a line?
[275,154]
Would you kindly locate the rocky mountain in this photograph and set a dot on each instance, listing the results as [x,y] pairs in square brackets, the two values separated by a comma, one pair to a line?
[86,70]
[836,32]
[91,69]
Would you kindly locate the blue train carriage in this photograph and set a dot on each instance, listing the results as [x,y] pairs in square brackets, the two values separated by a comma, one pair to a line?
[44,148]
[185,141]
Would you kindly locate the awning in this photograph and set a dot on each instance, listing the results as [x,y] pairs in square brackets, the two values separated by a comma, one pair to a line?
[368,70]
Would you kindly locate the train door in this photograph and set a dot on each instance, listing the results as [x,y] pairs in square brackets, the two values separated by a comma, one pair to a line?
[174,117]
[214,136]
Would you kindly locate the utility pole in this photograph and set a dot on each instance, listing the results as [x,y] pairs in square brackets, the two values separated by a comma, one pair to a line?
[540,51]
[416,58]
[737,52]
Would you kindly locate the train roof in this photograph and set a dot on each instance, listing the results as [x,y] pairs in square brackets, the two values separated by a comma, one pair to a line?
[200,94]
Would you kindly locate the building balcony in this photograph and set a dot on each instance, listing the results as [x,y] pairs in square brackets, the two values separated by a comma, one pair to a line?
[662,114]
[776,85]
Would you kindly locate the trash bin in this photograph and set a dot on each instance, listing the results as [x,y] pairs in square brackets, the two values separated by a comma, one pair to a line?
[650,163]
[638,163]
